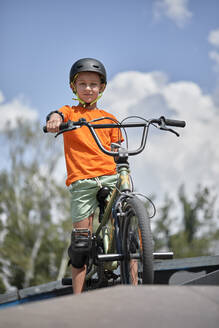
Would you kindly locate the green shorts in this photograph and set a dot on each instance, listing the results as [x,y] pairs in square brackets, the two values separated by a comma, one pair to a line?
[83,195]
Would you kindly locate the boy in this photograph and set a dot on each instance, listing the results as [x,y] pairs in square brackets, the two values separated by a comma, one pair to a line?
[88,168]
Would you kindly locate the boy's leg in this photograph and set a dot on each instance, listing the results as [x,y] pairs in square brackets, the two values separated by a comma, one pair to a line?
[78,275]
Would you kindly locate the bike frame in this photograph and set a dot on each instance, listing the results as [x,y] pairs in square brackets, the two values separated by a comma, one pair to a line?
[107,226]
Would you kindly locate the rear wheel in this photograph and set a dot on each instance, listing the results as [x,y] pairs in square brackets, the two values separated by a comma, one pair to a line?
[137,245]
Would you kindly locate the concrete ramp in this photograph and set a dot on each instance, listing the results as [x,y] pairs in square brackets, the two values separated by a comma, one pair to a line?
[121,306]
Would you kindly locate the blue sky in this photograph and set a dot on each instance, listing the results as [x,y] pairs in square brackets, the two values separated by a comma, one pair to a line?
[161,56]
[41,39]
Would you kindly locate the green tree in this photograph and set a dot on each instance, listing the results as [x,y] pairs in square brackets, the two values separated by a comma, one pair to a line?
[163,225]
[197,231]
[33,244]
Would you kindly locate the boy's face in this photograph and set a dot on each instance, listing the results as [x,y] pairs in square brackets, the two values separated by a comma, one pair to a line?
[88,86]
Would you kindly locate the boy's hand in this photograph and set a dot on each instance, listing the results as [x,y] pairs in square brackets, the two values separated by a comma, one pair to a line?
[54,123]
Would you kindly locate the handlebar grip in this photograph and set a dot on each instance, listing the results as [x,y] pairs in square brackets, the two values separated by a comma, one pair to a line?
[177,123]
[62,126]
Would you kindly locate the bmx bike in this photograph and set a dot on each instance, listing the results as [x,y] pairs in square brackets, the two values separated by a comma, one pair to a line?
[121,246]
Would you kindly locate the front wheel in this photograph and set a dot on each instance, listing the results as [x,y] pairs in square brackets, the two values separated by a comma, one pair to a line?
[137,245]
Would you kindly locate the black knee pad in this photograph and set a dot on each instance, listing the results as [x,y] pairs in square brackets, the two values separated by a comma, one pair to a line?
[80,247]
[77,260]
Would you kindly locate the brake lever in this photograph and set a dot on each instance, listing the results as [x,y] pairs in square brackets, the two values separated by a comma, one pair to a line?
[65,130]
[163,127]
[170,130]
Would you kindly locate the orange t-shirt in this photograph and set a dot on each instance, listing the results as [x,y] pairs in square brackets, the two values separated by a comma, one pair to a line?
[83,158]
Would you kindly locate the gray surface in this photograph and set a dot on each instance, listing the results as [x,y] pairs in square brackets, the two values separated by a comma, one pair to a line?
[49,287]
[122,306]
[208,279]
[9,297]
[187,263]
[182,277]
[181,267]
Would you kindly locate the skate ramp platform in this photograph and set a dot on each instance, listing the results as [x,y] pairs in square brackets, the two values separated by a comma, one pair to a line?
[121,306]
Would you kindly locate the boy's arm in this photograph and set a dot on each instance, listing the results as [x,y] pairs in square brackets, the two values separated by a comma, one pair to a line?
[53,121]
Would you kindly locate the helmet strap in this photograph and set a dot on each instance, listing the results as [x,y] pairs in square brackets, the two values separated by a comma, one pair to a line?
[84,104]
[93,102]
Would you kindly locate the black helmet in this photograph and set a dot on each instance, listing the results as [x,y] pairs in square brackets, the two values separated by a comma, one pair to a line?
[88,65]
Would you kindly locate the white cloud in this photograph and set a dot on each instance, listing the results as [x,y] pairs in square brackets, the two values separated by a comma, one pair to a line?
[176,10]
[14,109]
[214,55]
[213,37]
[127,89]
[169,161]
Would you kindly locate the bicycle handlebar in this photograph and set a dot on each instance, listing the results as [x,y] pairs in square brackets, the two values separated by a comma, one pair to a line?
[162,122]
[168,122]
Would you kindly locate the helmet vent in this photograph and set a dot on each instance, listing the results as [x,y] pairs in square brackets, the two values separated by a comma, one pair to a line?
[95,66]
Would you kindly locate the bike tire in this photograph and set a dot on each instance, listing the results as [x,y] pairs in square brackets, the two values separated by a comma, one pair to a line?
[136,239]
